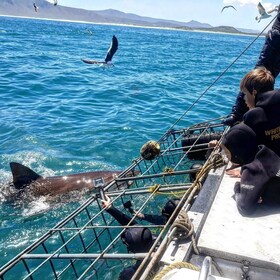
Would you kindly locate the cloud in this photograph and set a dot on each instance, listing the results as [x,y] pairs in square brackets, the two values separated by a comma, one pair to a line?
[249,2]
[241,2]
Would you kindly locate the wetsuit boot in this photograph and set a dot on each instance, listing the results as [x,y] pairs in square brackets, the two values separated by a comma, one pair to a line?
[237,112]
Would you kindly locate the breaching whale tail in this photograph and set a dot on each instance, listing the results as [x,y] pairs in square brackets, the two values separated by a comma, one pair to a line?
[22,175]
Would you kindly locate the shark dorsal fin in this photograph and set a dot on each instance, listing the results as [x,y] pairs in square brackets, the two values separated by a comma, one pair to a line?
[22,175]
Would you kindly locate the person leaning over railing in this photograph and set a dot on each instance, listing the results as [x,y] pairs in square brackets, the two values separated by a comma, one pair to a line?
[264,103]
[260,169]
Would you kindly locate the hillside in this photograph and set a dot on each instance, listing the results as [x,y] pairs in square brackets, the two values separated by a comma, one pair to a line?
[24,8]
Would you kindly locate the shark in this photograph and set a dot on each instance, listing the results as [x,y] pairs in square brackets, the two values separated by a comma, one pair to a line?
[25,179]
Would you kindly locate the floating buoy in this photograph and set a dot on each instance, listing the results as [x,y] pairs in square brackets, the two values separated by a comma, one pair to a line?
[150,150]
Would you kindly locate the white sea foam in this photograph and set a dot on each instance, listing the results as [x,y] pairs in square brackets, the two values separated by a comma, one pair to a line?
[36,207]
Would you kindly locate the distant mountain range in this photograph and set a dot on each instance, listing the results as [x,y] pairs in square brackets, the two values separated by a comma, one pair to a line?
[46,10]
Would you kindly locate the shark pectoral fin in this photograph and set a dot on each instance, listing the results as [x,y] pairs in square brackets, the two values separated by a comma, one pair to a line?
[22,175]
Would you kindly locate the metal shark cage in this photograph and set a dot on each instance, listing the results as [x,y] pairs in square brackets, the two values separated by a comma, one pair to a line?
[87,243]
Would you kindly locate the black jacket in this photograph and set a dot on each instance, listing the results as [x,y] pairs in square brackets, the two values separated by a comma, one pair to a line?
[270,53]
[256,178]
[264,119]
[276,23]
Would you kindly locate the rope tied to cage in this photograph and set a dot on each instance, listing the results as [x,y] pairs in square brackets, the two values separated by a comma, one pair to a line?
[184,229]
[154,188]
[168,170]
[216,160]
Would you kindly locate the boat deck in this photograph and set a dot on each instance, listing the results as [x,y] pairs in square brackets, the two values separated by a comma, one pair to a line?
[239,246]
[228,235]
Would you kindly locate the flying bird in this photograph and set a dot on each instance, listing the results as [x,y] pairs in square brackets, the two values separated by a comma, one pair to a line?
[35,7]
[229,6]
[110,53]
[275,9]
[263,13]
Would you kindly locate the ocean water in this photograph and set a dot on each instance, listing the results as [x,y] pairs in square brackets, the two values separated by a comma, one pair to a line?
[60,116]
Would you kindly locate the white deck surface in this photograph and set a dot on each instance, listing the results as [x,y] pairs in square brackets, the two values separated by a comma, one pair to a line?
[227,234]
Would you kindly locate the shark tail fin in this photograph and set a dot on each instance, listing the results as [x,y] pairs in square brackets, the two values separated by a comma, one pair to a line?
[22,175]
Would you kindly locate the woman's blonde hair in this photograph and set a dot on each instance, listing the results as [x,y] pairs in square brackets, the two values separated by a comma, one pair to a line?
[259,79]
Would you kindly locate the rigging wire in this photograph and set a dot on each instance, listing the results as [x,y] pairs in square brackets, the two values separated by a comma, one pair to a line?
[214,82]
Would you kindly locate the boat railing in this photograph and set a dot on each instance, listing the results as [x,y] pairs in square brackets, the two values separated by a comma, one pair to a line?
[206,269]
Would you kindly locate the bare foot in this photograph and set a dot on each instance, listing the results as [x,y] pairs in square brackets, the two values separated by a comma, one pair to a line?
[233,166]
[235,173]
[213,143]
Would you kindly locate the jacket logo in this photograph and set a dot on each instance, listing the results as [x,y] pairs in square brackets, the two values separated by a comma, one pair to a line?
[247,187]
[273,133]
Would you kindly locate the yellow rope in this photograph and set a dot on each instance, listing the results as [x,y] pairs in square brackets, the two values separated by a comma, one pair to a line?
[154,188]
[178,193]
[168,169]
[216,162]
[172,266]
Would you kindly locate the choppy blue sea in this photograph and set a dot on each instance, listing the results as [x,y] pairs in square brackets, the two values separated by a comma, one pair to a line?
[61,116]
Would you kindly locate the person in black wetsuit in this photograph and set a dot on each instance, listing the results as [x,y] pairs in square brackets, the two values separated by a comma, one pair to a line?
[260,168]
[264,103]
[166,213]
[270,59]
[137,240]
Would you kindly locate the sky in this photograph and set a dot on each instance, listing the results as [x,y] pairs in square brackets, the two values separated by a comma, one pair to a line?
[204,11]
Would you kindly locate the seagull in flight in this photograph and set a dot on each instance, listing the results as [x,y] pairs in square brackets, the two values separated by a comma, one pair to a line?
[110,53]
[263,13]
[35,7]
[229,6]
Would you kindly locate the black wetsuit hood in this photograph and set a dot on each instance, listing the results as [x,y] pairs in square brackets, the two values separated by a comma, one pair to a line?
[241,141]
[276,23]
[268,100]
